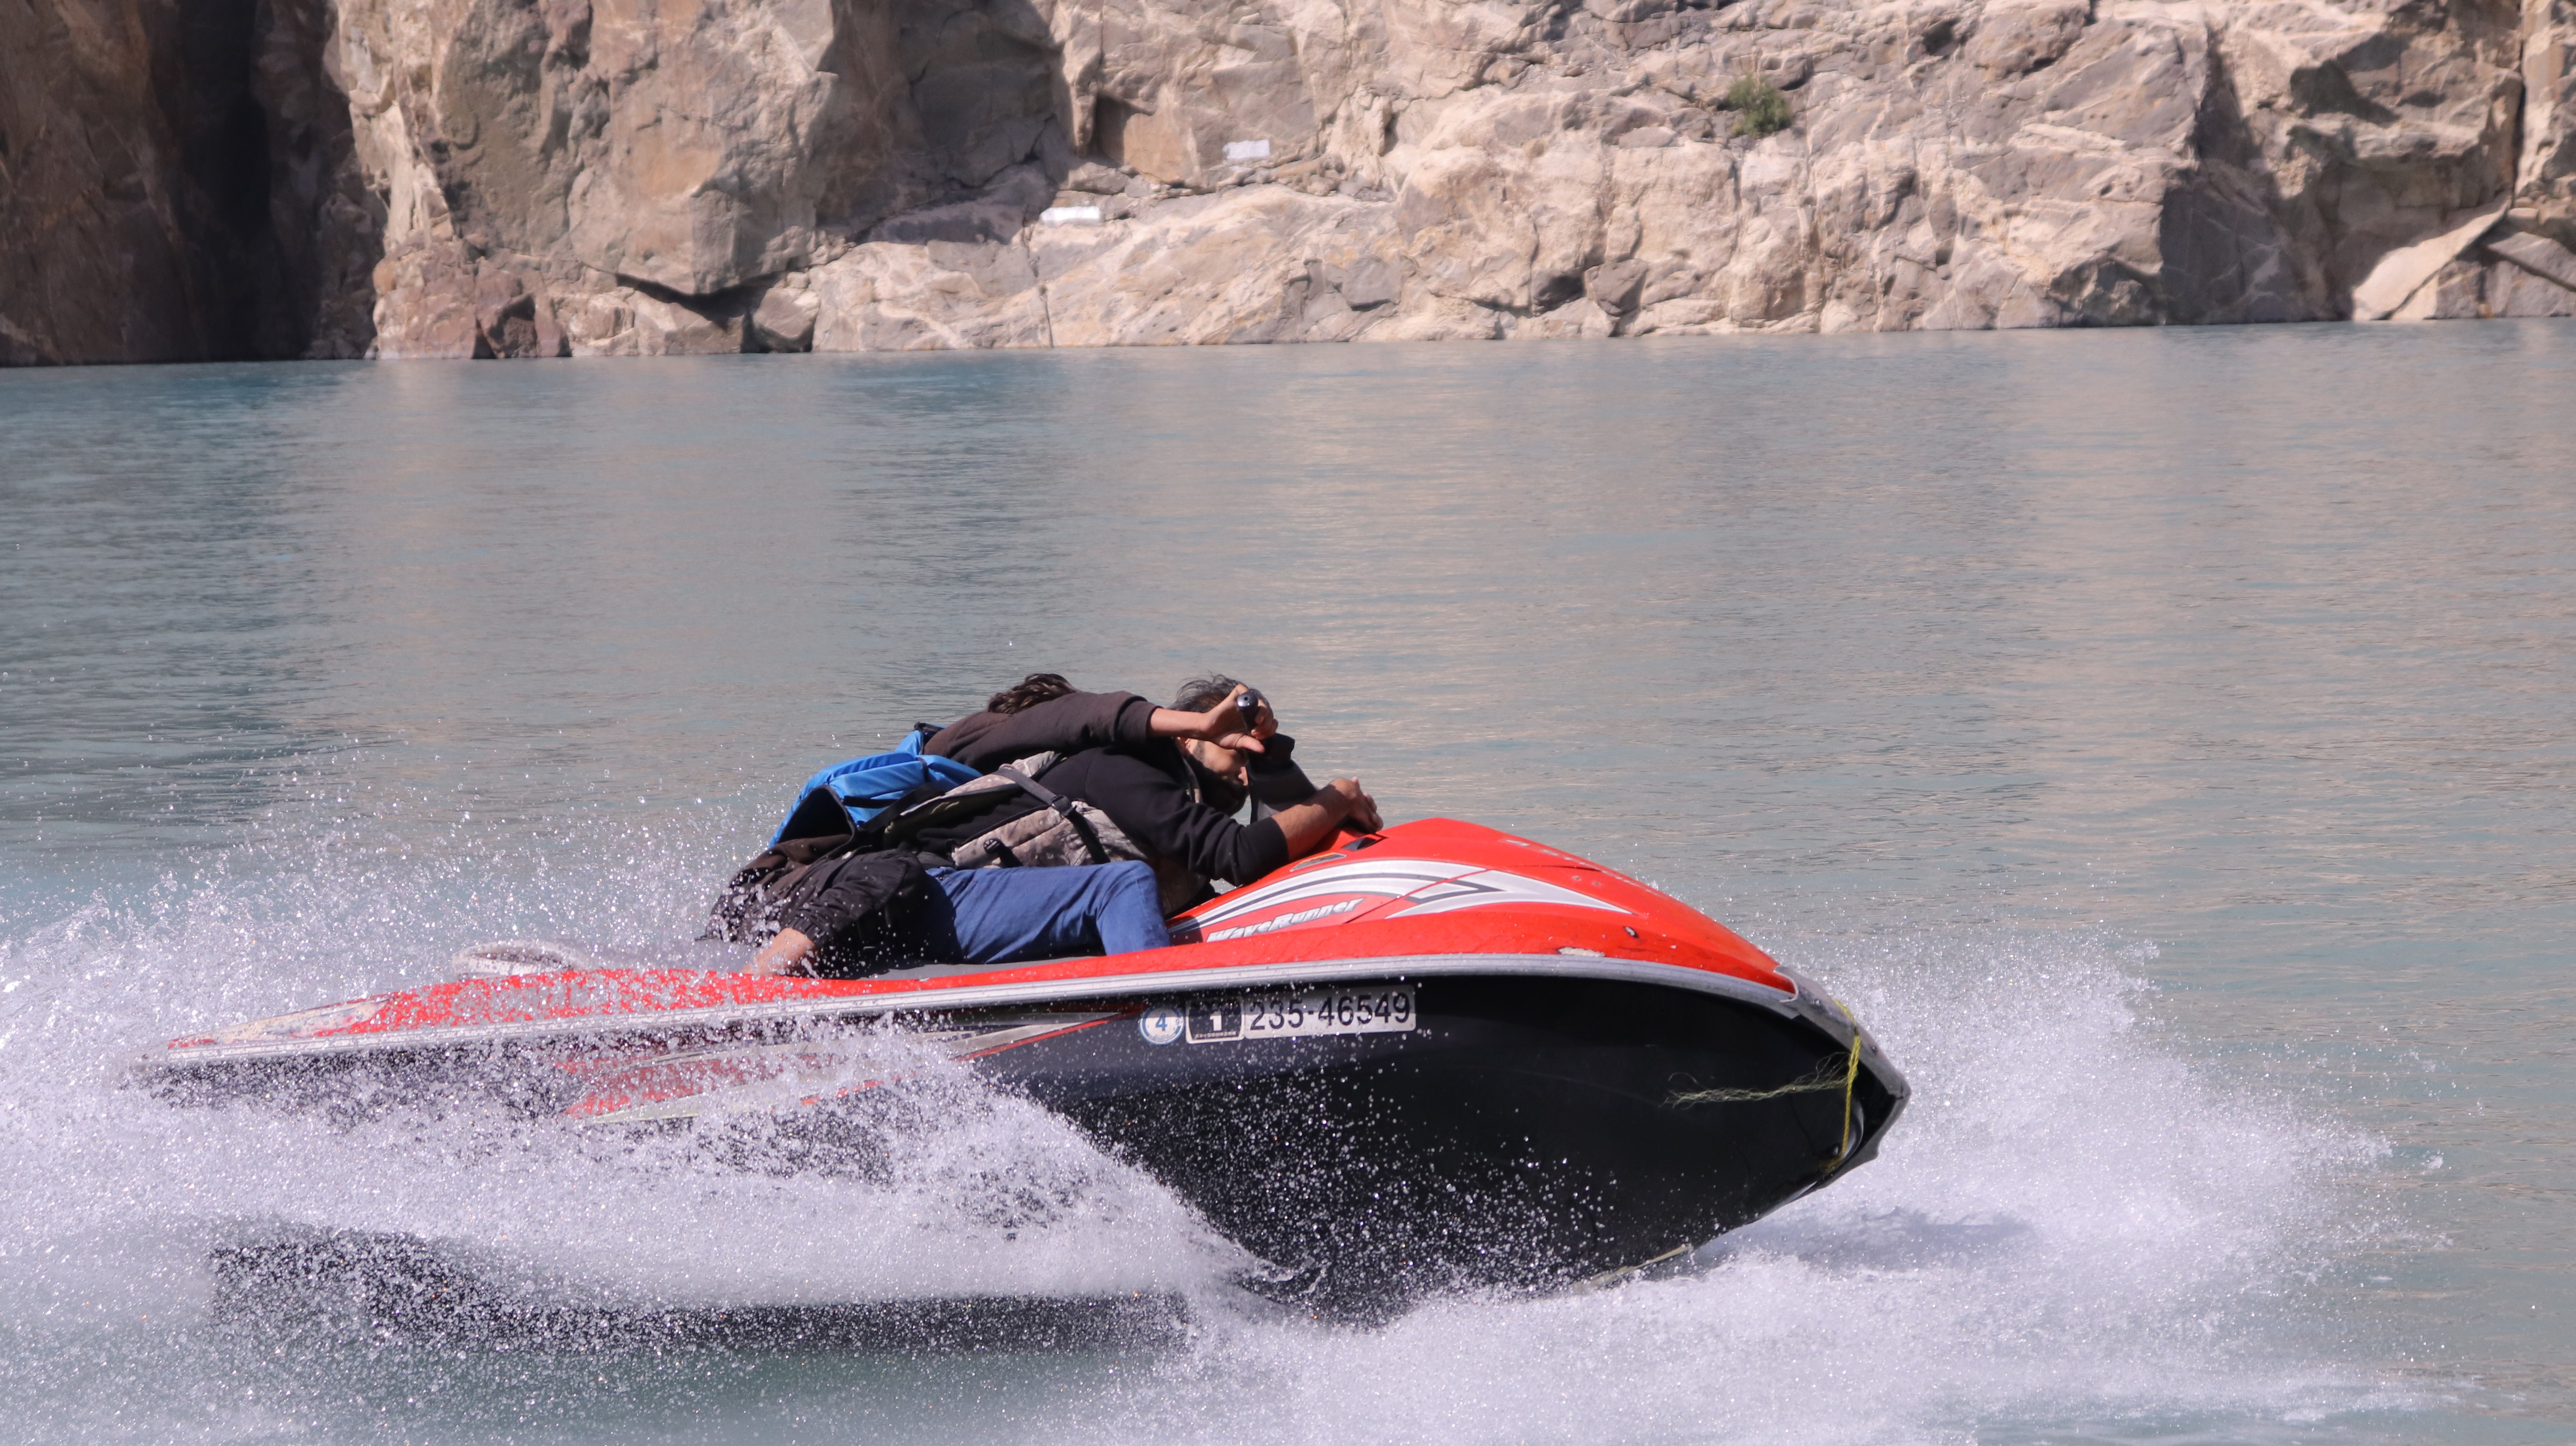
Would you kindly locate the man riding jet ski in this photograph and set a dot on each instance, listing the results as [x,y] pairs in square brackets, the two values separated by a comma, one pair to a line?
[1146,794]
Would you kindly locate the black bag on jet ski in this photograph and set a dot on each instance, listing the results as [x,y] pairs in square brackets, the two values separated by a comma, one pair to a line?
[852,896]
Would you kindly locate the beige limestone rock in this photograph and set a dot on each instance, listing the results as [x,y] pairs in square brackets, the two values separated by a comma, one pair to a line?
[2513,290]
[2030,164]
[623,321]
[1248,264]
[541,177]
[691,144]
[938,296]
[2538,255]
[2019,37]
[2403,272]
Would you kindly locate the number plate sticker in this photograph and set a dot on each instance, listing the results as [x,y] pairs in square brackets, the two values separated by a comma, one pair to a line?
[1304,1014]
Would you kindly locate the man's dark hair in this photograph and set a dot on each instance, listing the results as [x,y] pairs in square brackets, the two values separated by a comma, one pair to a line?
[1029,692]
[1200,694]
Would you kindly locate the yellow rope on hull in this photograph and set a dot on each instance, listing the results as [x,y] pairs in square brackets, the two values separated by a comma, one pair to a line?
[1823,1077]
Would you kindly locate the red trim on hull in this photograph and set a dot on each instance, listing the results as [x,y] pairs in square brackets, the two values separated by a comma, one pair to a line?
[1433,887]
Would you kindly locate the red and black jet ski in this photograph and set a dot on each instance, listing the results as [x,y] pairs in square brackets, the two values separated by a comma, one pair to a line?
[1433,1058]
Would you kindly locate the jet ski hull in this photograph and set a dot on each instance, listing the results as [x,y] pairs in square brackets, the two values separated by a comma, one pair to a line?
[1375,1117]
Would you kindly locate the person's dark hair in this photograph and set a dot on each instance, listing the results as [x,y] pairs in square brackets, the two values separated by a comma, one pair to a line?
[1200,694]
[1029,692]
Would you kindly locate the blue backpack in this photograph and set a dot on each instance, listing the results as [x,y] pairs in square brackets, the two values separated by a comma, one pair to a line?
[842,797]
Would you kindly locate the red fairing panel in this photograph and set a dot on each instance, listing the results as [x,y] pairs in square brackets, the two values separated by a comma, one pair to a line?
[1436,886]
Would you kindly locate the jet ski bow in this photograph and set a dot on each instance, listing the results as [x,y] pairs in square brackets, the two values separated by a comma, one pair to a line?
[1434,1058]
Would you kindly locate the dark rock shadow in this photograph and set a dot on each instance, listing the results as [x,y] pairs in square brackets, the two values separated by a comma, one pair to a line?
[281,239]
[325,228]
[2228,254]
[987,96]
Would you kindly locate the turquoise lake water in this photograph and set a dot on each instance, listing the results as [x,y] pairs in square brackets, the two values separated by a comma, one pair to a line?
[2161,739]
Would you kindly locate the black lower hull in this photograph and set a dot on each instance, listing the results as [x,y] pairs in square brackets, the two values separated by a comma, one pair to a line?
[1527,1134]
[1523,1131]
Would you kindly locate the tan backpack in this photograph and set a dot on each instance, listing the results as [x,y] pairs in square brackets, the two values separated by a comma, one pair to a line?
[1064,831]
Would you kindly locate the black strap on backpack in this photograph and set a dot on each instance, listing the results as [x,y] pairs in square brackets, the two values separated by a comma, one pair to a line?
[1064,806]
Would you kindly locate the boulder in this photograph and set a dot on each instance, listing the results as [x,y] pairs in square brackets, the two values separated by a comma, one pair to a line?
[784,318]
[513,320]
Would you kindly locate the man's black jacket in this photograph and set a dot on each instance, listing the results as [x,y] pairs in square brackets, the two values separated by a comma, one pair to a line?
[1146,785]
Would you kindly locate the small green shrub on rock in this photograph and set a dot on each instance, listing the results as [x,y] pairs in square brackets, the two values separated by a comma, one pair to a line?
[1759,106]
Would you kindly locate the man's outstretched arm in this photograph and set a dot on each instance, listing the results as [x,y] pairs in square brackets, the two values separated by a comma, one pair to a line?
[1310,825]
[1078,721]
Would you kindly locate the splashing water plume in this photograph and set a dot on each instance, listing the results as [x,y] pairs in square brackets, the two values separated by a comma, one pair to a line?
[2070,1212]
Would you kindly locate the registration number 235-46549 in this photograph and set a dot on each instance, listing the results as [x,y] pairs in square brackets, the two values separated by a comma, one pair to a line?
[1385,1010]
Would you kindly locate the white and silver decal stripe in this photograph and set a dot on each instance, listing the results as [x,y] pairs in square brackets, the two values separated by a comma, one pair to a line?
[1393,878]
[1435,888]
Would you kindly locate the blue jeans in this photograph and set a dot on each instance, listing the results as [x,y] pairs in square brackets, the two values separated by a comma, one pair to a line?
[999,916]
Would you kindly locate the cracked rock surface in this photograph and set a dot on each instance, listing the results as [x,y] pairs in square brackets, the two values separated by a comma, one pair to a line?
[531,178]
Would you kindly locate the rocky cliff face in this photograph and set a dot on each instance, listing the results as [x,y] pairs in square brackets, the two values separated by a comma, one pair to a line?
[175,184]
[511,178]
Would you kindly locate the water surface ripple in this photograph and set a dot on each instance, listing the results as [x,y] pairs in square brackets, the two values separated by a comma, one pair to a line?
[2159,737]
